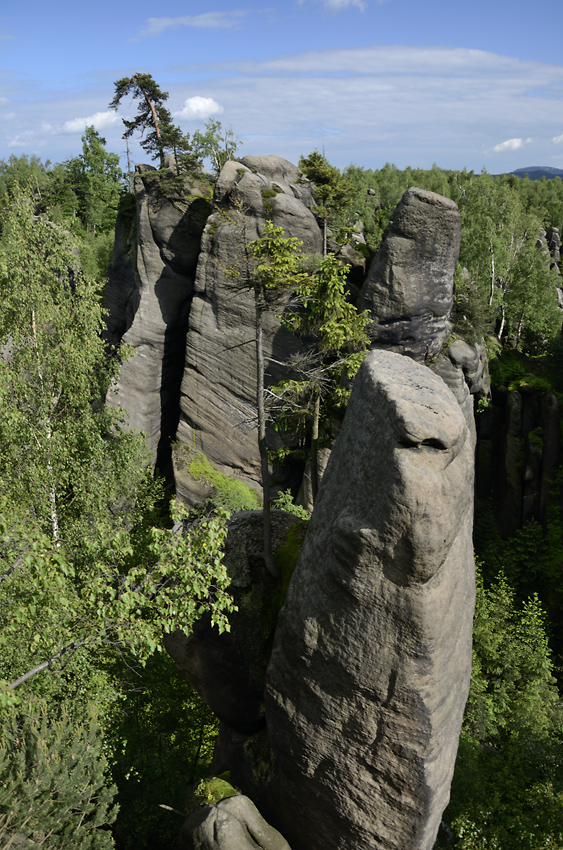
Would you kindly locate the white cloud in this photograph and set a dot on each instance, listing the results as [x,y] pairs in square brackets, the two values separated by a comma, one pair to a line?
[511,145]
[99,120]
[199,107]
[4,101]
[207,20]
[557,139]
[336,5]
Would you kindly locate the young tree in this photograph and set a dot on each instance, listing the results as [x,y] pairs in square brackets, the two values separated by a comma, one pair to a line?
[79,565]
[217,144]
[336,336]
[97,181]
[272,268]
[333,192]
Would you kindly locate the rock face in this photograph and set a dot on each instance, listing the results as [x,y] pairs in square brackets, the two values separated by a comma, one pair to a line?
[148,297]
[370,670]
[173,295]
[409,287]
[518,455]
[218,391]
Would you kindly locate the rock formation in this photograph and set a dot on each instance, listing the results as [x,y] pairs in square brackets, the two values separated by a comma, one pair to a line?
[232,824]
[370,670]
[173,296]
[409,292]
[410,283]
[218,392]
[148,297]
[518,455]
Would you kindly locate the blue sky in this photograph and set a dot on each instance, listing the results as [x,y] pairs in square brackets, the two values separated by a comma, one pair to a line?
[463,84]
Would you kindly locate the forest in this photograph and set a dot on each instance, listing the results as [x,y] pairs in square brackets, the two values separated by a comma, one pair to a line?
[99,731]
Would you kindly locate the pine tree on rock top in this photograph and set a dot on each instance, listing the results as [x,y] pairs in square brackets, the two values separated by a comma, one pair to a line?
[152,118]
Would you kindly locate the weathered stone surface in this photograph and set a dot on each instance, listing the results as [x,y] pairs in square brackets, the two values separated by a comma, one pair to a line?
[228,670]
[148,297]
[233,824]
[218,390]
[369,675]
[409,288]
[464,368]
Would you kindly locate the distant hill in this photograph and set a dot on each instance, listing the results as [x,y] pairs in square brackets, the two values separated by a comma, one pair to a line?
[536,172]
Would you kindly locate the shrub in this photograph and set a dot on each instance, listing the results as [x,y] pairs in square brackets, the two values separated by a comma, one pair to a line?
[53,789]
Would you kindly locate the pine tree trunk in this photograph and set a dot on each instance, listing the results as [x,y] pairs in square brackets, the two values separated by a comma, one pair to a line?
[315,448]
[263,448]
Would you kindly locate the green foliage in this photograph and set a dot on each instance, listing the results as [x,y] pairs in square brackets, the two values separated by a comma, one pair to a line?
[214,789]
[507,369]
[512,688]
[333,192]
[217,144]
[53,789]
[81,195]
[277,265]
[230,495]
[336,337]
[508,786]
[74,460]
[96,181]
[27,172]
[162,738]
[284,502]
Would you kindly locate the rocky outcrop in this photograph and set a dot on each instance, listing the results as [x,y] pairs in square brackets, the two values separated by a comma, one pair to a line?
[148,298]
[409,287]
[464,368]
[409,291]
[176,295]
[553,238]
[368,679]
[218,391]
[233,824]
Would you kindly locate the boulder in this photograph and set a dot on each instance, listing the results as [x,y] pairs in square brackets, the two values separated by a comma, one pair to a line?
[233,824]
[369,675]
[409,287]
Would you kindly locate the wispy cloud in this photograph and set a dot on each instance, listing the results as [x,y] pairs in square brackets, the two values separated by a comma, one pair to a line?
[4,101]
[557,139]
[511,145]
[99,120]
[199,107]
[207,20]
[338,5]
